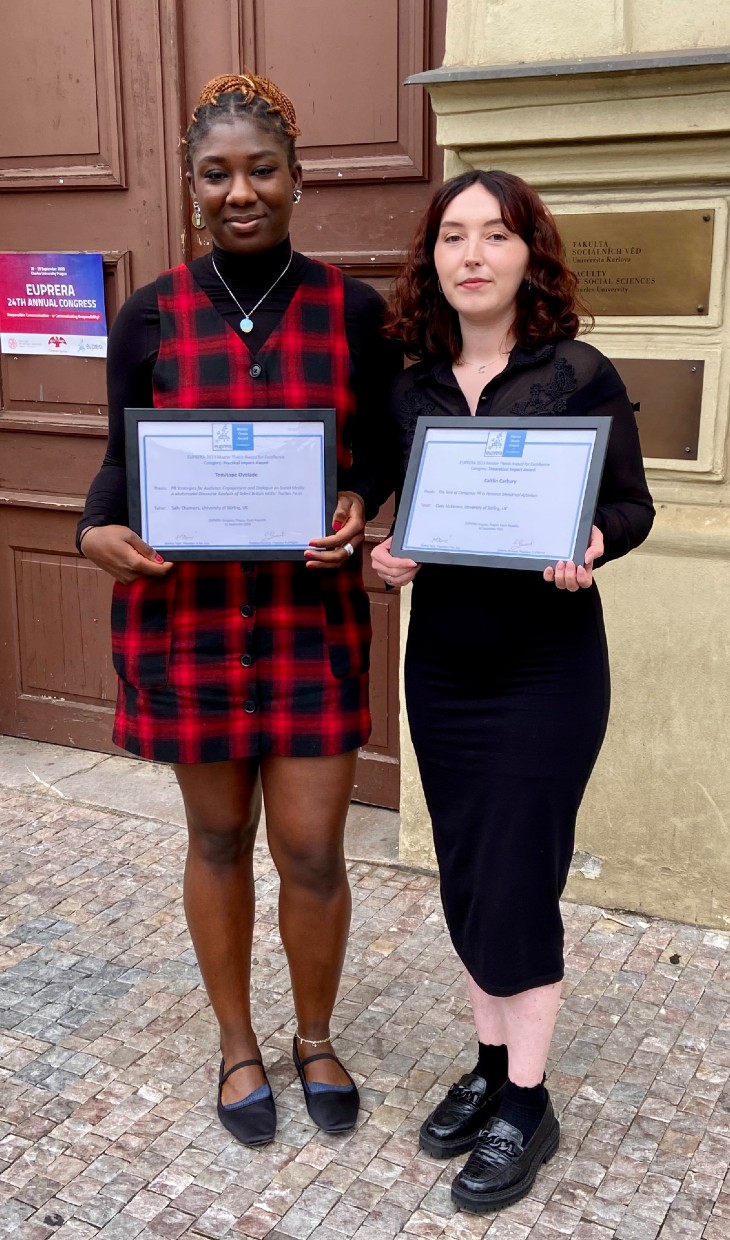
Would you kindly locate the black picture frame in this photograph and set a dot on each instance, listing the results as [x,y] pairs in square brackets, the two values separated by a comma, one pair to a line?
[403,546]
[134,418]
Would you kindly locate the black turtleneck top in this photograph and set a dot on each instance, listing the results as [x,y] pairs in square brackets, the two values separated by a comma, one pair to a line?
[134,342]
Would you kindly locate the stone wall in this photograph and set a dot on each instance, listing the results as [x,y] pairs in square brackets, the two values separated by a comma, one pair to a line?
[623,124]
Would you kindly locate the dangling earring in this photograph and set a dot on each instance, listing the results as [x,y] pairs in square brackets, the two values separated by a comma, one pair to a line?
[297,195]
[529,285]
[198,221]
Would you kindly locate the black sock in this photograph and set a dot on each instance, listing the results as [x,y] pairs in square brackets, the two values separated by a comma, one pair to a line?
[492,1064]
[523,1107]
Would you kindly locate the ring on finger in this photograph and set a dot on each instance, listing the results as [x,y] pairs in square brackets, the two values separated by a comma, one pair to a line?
[349,549]
[388,581]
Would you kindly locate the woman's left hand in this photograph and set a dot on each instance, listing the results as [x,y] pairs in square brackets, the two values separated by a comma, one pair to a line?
[349,524]
[568,576]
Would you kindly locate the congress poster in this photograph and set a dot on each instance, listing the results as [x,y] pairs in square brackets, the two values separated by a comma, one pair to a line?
[52,304]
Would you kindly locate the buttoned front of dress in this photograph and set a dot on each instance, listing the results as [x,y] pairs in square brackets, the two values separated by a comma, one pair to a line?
[248,688]
[256,657]
[561,378]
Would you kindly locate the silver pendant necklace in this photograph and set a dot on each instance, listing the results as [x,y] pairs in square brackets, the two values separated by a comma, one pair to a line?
[482,366]
[246,324]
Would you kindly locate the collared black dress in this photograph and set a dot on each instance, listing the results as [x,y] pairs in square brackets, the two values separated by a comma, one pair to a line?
[507,682]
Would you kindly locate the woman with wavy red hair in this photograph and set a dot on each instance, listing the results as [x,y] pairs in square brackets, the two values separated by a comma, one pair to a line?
[507,682]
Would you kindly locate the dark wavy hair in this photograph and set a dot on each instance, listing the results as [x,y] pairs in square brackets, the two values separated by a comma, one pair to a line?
[421,318]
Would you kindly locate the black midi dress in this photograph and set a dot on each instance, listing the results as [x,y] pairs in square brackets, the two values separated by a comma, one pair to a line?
[507,682]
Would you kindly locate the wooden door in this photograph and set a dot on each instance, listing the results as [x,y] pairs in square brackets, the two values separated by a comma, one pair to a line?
[95,101]
[370,163]
[90,95]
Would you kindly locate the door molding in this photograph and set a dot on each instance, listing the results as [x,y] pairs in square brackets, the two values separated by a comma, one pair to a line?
[405,157]
[103,168]
[172,128]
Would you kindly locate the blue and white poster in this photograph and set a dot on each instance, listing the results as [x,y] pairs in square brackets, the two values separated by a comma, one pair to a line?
[52,304]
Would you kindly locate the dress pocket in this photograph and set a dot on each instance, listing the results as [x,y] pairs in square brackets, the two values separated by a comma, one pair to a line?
[347,622]
[142,630]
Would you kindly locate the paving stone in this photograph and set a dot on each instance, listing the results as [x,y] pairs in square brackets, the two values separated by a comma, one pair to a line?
[257,1223]
[169,1224]
[108,1062]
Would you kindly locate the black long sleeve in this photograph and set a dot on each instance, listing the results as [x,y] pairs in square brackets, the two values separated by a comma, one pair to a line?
[625,512]
[376,361]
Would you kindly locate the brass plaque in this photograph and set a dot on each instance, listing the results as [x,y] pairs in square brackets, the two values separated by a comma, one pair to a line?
[669,396]
[641,262]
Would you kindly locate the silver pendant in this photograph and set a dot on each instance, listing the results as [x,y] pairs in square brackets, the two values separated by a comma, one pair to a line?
[246,325]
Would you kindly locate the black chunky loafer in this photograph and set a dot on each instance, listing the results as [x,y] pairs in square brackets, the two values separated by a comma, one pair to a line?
[499,1170]
[457,1121]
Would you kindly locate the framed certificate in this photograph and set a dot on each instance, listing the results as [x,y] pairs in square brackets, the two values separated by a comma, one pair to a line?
[231,484]
[501,492]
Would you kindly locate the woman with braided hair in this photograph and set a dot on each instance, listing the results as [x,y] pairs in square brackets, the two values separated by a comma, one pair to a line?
[251,678]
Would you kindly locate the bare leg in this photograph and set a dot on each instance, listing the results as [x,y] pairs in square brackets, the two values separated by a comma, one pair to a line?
[523,1022]
[222,805]
[306,806]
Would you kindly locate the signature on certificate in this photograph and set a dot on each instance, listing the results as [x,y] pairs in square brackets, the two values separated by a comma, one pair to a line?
[523,542]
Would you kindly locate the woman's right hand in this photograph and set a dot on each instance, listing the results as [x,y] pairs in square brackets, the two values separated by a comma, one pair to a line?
[122,553]
[394,572]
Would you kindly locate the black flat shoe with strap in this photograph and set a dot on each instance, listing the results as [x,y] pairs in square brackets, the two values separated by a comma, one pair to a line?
[251,1123]
[333,1108]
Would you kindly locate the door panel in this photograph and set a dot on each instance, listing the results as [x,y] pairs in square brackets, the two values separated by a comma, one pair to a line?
[377,780]
[54,632]
[85,87]
[66,57]
[53,657]
[347,66]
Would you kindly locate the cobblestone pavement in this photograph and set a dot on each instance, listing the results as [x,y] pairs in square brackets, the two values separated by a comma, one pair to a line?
[107,1060]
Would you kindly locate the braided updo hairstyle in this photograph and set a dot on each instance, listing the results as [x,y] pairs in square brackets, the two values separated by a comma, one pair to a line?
[243,95]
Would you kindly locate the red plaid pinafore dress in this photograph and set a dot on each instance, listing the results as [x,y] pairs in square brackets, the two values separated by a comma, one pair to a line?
[223,660]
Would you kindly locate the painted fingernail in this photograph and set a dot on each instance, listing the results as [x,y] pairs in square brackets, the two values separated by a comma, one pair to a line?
[337,525]
[160,558]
